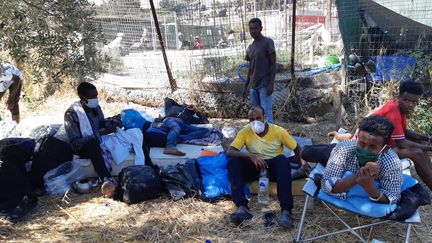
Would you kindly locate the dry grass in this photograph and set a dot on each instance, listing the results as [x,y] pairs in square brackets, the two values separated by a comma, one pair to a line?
[91,218]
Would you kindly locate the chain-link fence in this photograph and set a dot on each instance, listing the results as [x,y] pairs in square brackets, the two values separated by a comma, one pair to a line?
[207,40]
[385,42]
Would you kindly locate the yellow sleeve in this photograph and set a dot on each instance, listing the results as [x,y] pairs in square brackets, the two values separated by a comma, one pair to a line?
[239,140]
[287,140]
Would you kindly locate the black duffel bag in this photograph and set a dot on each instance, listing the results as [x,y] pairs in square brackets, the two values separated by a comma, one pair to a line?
[138,183]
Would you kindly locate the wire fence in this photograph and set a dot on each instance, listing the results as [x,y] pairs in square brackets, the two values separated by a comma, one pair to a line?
[385,42]
[207,40]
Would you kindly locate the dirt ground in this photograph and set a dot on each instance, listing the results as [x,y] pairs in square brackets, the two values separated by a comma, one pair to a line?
[92,218]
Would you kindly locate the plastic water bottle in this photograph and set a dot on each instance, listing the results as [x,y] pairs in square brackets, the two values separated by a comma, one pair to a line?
[263,193]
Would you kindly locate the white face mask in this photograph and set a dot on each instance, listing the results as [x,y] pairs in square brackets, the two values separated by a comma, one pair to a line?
[257,126]
[92,103]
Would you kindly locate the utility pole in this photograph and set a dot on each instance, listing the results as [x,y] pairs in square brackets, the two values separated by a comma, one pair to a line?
[172,81]
[293,26]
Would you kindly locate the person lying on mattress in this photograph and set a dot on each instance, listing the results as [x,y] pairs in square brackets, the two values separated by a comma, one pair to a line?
[178,130]
[369,158]
[265,150]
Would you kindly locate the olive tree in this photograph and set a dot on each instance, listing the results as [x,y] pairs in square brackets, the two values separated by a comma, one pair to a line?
[52,40]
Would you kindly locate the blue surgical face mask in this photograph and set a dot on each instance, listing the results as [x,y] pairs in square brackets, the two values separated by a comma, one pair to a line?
[92,103]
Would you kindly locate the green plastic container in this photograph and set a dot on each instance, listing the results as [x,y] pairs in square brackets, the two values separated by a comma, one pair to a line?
[331,60]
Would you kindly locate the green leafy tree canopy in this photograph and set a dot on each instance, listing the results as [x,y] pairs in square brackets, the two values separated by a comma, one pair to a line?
[52,39]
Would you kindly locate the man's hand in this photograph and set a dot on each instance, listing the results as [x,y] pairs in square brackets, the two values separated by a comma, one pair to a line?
[372,168]
[340,136]
[332,134]
[258,162]
[117,120]
[270,89]
[244,92]
[107,130]
[364,179]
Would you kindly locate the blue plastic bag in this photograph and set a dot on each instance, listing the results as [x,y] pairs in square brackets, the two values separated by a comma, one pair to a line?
[132,119]
[214,173]
[393,68]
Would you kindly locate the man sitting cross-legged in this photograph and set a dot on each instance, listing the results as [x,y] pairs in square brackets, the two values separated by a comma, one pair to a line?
[265,145]
[368,158]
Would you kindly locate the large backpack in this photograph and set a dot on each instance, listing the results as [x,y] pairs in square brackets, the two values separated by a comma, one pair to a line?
[138,183]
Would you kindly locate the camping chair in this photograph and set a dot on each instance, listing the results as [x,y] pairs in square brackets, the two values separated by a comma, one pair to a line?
[310,188]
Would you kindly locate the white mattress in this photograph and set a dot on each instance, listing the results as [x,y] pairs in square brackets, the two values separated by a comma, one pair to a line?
[192,151]
[163,160]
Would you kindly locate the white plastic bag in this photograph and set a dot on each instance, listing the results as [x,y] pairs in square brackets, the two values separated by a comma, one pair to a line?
[59,180]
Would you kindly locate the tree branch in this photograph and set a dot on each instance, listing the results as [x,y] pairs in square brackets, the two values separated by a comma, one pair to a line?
[37,7]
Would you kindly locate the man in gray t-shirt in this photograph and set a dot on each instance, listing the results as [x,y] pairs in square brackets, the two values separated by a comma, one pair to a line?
[261,55]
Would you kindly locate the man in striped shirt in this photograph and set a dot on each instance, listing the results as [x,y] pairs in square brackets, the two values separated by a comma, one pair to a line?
[367,159]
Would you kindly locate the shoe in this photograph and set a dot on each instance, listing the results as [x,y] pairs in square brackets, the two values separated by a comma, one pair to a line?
[108,187]
[269,219]
[26,206]
[240,215]
[285,221]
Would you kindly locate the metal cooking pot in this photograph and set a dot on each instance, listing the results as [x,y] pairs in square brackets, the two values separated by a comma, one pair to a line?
[82,186]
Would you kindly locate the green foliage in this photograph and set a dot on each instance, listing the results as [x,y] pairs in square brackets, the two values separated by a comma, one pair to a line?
[52,40]
[423,65]
[421,120]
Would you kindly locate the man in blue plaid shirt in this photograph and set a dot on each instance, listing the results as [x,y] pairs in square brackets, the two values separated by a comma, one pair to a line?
[369,158]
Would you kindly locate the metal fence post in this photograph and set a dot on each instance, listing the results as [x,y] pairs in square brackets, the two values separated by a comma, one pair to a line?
[172,81]
[294,3]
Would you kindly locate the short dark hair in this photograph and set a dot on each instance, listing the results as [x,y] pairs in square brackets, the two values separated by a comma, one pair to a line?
[255,21]
[411,87]
[377,126]
[84,87]
[259,107]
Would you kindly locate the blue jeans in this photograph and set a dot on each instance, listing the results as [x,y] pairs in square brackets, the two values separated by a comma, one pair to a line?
[178,131]
[259,97]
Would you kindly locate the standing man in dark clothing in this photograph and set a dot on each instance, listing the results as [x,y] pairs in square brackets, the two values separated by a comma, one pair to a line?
[261,55]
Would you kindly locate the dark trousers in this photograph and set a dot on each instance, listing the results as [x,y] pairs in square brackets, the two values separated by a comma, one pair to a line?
[14,96]
[92,150]
[241,171]
[318,153]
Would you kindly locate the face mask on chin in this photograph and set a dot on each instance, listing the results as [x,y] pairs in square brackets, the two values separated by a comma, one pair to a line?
[92,103]
[257,126]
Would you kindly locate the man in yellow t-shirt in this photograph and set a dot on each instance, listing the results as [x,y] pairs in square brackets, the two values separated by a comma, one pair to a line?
[265,145]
